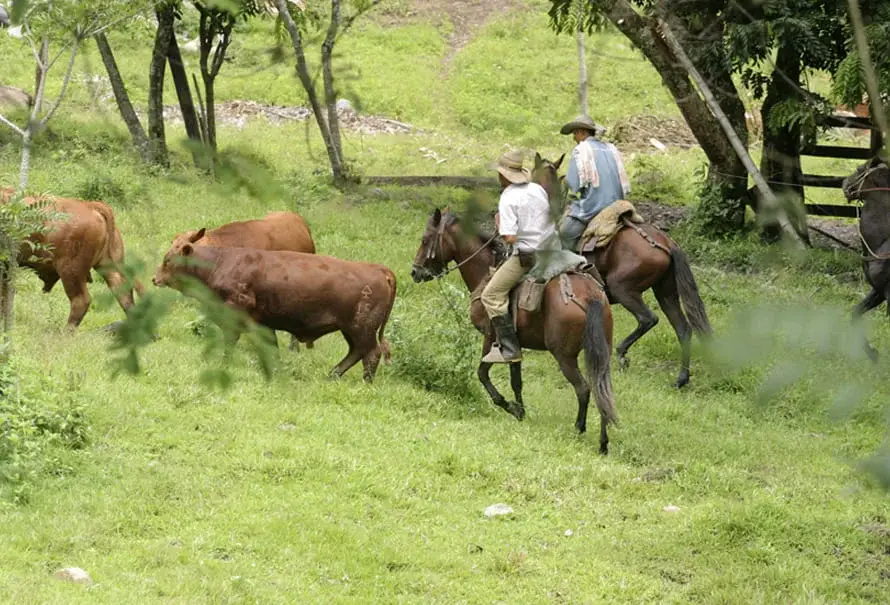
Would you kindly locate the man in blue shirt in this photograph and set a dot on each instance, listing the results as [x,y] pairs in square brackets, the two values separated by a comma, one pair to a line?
[596,178]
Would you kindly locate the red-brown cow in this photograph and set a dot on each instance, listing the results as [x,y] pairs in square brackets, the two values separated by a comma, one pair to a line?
[304,294]
[83,236]
[275,231]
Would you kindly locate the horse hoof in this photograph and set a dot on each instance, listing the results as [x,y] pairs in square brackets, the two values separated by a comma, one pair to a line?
[681,382]
[581,428]
[517,411]
[604,450]
[623,362]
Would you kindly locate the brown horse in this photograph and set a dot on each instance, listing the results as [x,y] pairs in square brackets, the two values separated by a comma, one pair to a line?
[563,329]
[631,264]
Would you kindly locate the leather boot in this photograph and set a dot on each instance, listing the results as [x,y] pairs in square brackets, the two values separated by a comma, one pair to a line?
[506,349]
[591,270]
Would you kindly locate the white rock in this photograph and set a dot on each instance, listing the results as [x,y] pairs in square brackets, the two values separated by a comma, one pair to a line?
[670,508]
[345,105]
[74,574]
[658,144]
[192,46]
[569,533]
[498,510]
[15,32]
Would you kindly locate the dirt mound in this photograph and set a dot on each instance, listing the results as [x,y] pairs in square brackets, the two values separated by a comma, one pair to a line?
[636,133]
[238,113]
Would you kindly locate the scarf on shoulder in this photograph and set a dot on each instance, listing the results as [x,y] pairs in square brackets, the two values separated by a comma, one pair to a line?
[585,159]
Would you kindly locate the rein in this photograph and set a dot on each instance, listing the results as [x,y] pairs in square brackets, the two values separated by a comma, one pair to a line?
[466,260]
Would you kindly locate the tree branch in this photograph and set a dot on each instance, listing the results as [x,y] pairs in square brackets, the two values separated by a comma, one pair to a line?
[65,83]
[18,130]
[871,78]
[347,23]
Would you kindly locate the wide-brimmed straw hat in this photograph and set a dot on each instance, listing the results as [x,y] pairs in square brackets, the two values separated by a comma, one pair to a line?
[582,121]
[510,167]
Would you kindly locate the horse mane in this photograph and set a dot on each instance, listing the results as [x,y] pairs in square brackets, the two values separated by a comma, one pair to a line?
[494,244]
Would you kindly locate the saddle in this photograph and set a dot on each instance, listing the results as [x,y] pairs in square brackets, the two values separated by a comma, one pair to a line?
[606,225]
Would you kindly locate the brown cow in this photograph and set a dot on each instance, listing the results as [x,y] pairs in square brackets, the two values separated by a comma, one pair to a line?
[81,238]
[276,231]
[304,294]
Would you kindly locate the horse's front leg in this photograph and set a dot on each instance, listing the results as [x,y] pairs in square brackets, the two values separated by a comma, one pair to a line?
[513,409]
[516,384]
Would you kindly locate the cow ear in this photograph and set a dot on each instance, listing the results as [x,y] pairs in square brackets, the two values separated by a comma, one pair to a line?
[559,161]
[198,234]
[437,216]
[187,250]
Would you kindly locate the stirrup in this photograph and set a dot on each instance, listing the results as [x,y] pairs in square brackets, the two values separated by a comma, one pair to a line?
[495,356]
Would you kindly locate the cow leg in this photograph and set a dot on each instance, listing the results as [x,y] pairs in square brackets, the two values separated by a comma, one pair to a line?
[117,283]
[79,296]
[294,343]
[49,281]
[370,361]
[353,356]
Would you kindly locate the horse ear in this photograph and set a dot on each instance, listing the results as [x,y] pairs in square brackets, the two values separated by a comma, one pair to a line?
[559,161]
[538,160]
[437,216]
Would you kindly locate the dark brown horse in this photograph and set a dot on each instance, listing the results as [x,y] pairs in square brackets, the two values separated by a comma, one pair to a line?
[563,329]
[871,184]
[630,265]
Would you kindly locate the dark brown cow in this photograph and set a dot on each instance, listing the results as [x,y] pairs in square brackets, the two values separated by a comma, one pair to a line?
[276,231]
[83,237]
[304,294]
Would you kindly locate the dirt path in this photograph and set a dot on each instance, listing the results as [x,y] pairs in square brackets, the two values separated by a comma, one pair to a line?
[465,16]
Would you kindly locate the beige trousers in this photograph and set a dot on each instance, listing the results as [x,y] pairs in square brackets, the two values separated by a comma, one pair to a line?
[496,295]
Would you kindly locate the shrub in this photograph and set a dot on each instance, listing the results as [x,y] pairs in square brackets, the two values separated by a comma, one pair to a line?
[39,418]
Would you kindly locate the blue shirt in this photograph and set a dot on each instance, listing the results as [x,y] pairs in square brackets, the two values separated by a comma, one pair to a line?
[594,199]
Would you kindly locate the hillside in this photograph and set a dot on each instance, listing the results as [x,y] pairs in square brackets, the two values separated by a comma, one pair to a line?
[300,489]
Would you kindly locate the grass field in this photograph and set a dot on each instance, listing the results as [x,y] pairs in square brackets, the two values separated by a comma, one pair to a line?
[305,490]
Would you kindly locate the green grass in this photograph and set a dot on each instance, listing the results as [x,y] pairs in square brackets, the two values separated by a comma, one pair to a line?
[301,489]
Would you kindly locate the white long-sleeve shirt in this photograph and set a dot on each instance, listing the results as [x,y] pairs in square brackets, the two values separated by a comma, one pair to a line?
[525,213]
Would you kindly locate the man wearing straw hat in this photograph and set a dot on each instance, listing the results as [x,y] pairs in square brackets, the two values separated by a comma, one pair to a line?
[526,225]
[596,178]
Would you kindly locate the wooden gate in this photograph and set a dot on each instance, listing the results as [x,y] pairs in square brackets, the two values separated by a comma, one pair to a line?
[840,152]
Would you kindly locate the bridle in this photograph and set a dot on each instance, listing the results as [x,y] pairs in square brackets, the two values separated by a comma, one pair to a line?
[860,182]
[435,251]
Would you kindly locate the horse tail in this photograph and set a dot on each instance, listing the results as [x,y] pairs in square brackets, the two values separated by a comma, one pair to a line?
[597,356]
[383,343]
[688,289]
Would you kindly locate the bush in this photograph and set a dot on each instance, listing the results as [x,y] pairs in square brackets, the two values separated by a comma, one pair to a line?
[437,347]
[38,420]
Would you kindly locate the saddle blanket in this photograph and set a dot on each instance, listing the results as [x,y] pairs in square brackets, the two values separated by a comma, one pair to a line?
[605,225]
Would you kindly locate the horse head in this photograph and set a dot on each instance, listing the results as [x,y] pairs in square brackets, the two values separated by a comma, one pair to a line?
[545,173]
[871,176]
[437,247]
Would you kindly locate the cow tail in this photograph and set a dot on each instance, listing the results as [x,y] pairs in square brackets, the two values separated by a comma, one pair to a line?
[114,243]
[383,343]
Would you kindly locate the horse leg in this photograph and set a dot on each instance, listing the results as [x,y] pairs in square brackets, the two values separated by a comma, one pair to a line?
[669,299]
[513,409]
[569,368]
[871,300]
[646,320]
[516,384]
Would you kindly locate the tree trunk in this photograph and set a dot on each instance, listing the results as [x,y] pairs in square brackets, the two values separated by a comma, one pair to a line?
[157,69]
[330,93]
[727,170]
[128,114]
[582,66]
[183,91]
[309,87]
[210,109]
[780,162]
[734,140]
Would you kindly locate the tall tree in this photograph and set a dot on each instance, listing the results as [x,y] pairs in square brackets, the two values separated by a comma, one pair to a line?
[299,17]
